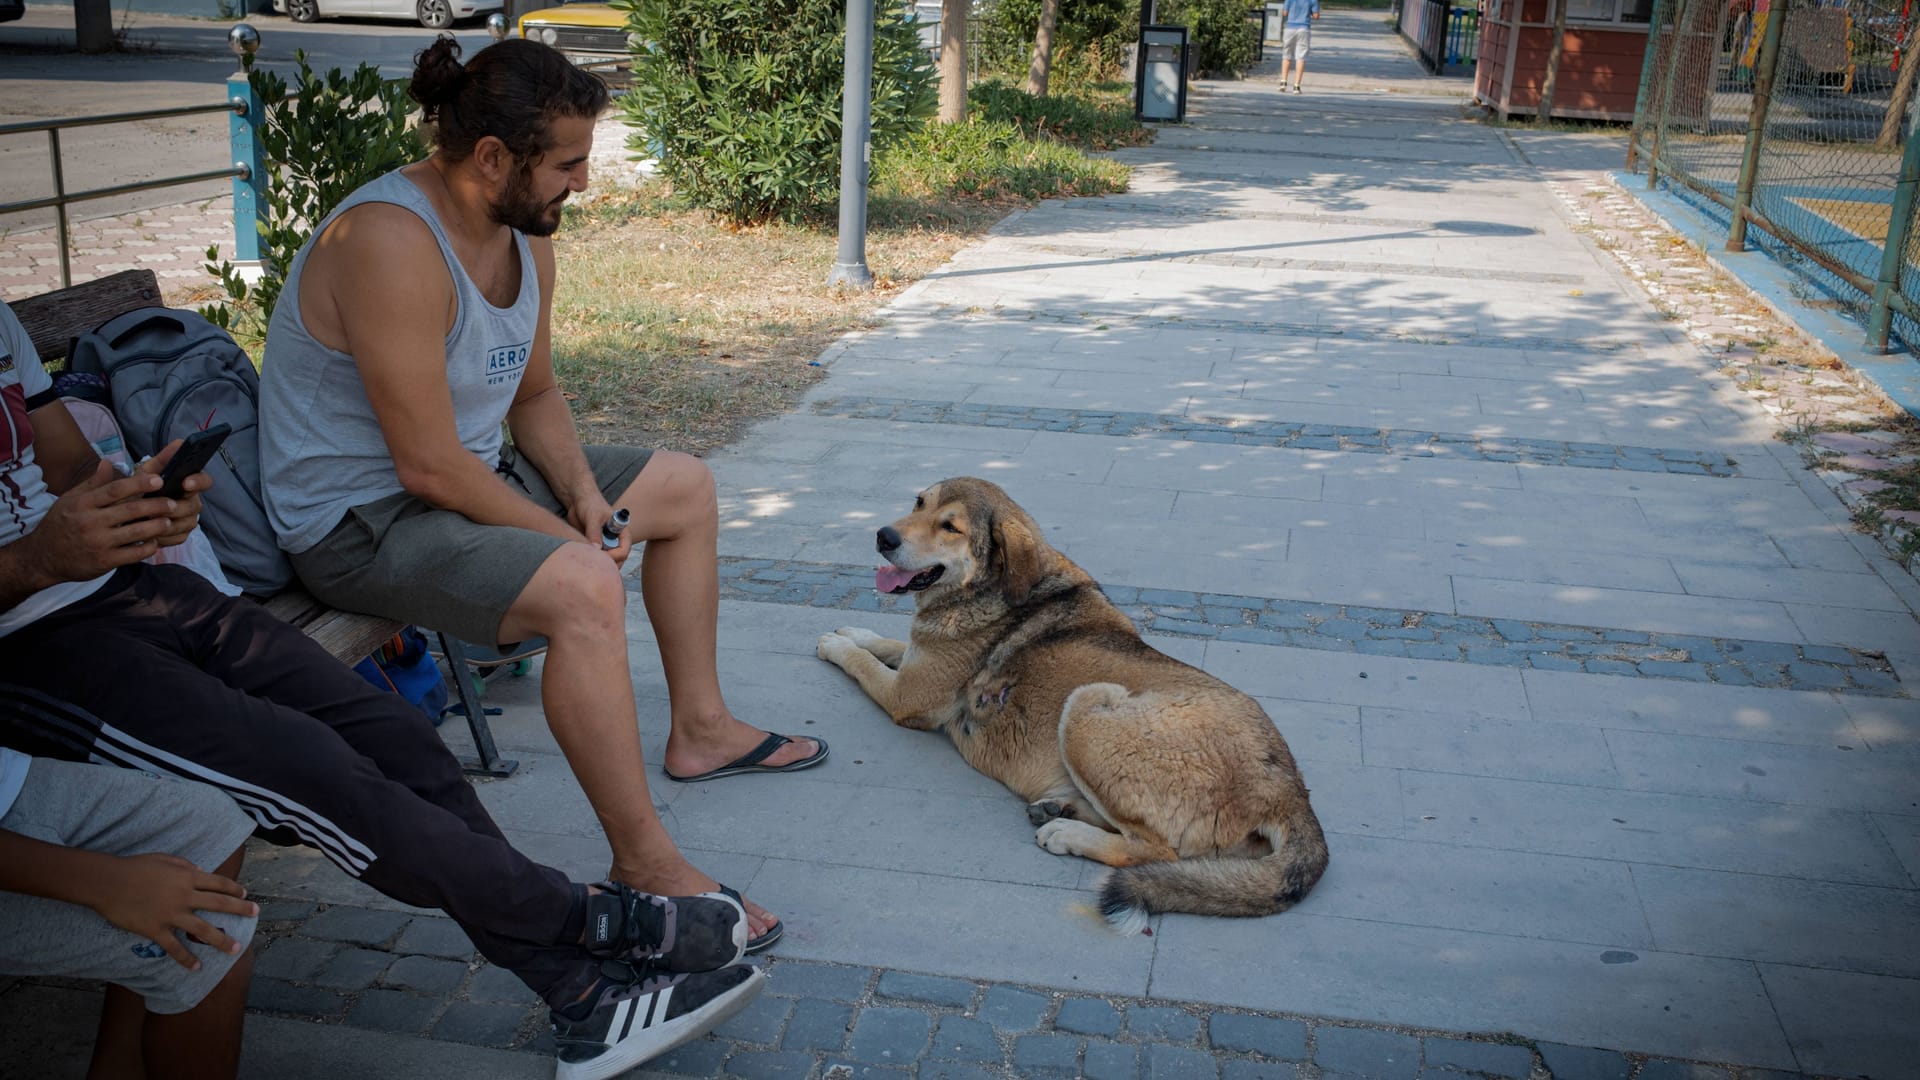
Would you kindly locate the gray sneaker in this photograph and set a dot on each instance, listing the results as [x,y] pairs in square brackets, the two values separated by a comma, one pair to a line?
[675,933]
[648,1017]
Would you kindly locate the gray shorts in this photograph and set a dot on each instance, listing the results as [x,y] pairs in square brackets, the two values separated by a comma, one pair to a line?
[403,559]
[118,812]
[1295,41]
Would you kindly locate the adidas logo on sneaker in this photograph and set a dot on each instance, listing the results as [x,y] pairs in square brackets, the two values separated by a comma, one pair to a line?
[674,933]
[649,1017]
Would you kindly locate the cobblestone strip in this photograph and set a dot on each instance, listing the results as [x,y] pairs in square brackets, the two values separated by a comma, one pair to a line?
[419,977]
[1287,434]
[1116,204]
[1352,332]
[1273,262]
[1371,631]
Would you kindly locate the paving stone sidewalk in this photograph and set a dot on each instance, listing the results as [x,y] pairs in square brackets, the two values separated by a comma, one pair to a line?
[360,975]
[385,971]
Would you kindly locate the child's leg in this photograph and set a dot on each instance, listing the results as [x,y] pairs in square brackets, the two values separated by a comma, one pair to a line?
[204,1041]
[116,1043]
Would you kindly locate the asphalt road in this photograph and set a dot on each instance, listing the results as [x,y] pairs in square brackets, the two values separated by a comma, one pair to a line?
[166,62]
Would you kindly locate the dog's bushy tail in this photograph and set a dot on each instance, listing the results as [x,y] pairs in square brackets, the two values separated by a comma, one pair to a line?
[1221,885]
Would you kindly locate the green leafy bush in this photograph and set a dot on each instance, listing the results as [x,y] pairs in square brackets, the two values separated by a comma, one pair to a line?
[1090,37]
[1220,28]
[741,99]
[989,160]
[1076,118]
[324,136]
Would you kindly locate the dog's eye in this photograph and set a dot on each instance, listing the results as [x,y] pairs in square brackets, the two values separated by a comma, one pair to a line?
[918,502]
[950,526]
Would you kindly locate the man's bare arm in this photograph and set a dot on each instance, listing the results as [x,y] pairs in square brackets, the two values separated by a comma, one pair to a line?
[542,424]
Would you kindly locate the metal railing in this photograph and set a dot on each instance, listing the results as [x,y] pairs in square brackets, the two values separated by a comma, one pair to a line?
[1449,36]
[247,171]
[1798,120]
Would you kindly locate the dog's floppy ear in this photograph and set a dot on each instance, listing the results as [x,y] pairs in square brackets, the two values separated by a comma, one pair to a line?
[1017,558]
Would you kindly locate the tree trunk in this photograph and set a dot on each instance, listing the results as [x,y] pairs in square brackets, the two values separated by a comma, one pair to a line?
[93,25]
[1553,60]
[953,61]
[1902,93]
[1042,64]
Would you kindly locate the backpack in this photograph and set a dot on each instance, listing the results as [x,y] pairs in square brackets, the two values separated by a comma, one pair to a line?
[404,666]
[172,372]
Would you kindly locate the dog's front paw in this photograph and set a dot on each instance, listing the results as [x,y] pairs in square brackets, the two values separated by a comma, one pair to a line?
[859,635]
[1057,836]
[834,647]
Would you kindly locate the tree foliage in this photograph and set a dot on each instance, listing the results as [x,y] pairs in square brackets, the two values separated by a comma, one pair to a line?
[1220,28]
[741,99]
[1090,37]
[324,136]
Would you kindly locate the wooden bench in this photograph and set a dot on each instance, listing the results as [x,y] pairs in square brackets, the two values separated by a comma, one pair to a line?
[54,319]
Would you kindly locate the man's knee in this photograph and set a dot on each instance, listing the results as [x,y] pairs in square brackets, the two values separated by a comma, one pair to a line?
[689,482]
[576,582]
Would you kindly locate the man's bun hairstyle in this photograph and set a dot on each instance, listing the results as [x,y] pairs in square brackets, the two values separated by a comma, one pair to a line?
[512,90]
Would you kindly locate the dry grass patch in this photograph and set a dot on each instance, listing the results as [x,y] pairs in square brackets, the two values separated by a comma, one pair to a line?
[673,330]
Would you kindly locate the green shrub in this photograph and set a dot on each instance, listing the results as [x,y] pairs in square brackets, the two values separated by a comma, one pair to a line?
[324,136]
[1220,28]
[740,99]
[1090,37]
[989,160]
[1076,118]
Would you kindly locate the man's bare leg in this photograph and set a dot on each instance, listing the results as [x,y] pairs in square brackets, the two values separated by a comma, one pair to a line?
[577,601]
[676,512]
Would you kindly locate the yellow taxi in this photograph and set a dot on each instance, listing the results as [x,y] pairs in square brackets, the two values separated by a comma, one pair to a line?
[593,36]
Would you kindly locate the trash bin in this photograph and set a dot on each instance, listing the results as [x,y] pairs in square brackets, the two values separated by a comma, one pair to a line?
[1257,26]
[1160,85]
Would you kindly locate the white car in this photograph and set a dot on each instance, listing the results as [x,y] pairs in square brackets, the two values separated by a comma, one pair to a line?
[432,14]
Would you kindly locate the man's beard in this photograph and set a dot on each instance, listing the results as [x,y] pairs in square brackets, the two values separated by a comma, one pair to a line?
[518,208]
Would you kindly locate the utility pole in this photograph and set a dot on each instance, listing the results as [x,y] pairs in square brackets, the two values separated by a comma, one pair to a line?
[856,150]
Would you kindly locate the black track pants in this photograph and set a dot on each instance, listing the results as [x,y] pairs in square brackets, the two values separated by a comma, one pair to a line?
[159,671]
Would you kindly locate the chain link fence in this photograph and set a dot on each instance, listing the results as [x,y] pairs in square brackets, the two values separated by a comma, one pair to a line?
[1796,118]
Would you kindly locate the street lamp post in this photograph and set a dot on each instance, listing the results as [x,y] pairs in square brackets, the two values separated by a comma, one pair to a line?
[856,150]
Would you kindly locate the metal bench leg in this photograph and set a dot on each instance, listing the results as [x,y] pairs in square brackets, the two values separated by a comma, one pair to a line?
[467,686]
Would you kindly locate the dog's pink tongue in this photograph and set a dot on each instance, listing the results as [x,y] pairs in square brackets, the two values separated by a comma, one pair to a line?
[890,578]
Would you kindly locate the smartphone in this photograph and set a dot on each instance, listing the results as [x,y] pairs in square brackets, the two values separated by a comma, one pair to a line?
[192,457]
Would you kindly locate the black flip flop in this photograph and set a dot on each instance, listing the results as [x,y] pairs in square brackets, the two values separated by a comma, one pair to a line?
[773,933]
[749,762]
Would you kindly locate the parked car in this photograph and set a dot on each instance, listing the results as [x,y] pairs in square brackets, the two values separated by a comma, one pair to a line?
[592,35]
[432,14]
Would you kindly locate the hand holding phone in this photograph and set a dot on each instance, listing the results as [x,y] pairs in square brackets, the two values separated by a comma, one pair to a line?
[192,457]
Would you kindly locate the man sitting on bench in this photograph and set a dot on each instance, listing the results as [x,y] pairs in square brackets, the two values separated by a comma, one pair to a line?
[411,327]
[111,659]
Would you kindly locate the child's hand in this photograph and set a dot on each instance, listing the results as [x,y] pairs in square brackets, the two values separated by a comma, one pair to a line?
[155,895]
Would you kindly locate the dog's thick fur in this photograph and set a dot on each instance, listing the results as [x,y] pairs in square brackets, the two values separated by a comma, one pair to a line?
[1123,754]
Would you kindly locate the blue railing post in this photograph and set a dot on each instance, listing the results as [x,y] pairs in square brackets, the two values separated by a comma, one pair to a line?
[249,152]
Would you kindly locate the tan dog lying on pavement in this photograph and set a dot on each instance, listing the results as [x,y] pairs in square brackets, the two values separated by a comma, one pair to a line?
[1124,754]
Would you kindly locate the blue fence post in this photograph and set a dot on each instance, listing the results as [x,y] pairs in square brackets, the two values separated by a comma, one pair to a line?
[249,153]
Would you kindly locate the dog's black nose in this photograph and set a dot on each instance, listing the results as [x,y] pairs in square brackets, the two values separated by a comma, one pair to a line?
[887,539]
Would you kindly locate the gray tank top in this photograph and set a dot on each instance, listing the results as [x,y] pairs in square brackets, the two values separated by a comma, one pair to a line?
[321,450]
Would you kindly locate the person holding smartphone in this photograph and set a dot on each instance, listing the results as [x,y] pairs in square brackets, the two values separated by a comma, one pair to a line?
[106,657]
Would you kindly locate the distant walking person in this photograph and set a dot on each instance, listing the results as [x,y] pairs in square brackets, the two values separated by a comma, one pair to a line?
[1294,41]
